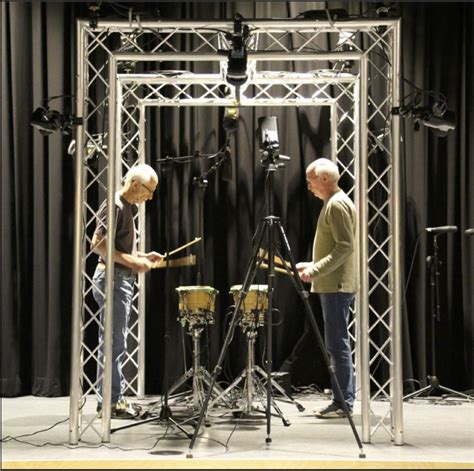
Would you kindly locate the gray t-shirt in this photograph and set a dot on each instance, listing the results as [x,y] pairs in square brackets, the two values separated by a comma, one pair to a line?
[125,238]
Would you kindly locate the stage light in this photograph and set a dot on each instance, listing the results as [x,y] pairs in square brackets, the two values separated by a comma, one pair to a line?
[45,120]
[48,121]
[436,117]
[237,54]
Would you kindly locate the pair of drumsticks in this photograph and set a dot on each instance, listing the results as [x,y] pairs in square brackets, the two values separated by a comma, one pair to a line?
[264,256]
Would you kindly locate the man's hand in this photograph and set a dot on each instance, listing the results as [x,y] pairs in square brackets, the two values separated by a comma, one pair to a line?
[154,257]
[304,271]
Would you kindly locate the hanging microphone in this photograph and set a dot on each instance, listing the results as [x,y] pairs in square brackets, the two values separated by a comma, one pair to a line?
[442,229]
[226,169]
[231,119]
[469,231]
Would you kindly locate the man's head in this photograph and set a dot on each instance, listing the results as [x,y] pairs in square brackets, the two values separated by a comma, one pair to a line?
[140,183]
[322,176]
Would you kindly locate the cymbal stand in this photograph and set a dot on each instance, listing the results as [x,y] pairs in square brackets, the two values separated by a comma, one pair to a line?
[271,226]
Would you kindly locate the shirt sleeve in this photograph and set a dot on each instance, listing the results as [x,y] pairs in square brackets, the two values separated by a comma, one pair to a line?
[340,222]
[101,219]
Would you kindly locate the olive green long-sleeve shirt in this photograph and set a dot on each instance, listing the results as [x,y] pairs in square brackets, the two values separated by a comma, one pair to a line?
[334,267]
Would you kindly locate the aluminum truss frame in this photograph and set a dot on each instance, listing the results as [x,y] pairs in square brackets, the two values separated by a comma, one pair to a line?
[370,179]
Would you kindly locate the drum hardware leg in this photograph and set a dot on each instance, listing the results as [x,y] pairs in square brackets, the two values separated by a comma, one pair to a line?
[200,376]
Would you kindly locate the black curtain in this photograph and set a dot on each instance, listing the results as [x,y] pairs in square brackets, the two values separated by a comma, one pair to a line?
[38,61]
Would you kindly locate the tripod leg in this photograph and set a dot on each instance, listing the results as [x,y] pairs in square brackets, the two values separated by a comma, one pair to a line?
[260,388]
[309,312]
[275,385]
[250,275]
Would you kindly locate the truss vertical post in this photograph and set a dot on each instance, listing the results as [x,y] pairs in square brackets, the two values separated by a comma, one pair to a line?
[109,262]
[141,276]
[397,250]
[79,230]
[363,307]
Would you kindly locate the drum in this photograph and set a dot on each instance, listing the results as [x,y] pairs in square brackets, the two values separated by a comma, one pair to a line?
[254,306]
[197,305]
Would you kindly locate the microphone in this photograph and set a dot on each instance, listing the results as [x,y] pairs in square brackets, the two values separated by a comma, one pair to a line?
[226,169]
[442,229]
[231,119]
[469,231]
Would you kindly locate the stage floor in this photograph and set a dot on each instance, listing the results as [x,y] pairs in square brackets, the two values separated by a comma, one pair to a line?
[438,433]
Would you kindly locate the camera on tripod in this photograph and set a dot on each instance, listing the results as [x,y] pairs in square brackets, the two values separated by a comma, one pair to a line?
[269,142]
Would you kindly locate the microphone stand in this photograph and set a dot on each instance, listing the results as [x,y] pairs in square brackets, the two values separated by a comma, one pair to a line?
[434,384]
[201,184]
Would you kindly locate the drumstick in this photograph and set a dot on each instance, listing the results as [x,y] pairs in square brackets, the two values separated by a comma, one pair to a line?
[279,270]
[264,255]
[197,239]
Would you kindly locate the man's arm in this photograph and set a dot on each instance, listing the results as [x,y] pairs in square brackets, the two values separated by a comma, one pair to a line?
[136,263]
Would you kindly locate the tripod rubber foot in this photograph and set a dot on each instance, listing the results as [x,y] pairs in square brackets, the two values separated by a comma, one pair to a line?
[300,407]
[268,440]
[286,422]
[189,455]
[362,455]
[207,424]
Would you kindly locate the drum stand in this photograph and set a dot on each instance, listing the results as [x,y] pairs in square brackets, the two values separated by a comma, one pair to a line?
[254,379]
[271,224]
[200,376]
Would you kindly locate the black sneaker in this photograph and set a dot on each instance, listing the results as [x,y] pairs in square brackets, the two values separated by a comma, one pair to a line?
[332,411]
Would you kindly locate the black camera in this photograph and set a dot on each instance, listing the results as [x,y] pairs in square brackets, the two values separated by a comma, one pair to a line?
[268,133]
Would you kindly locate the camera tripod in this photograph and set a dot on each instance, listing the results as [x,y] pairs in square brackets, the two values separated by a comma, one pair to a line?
[433,264]
[270,226]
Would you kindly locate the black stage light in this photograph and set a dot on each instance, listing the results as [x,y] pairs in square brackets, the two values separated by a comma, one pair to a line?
[46,120]
[237,54]
[437,118]
[440,125]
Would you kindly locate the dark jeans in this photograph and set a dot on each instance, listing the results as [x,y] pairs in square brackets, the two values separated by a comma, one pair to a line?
[123,295]
[336,315]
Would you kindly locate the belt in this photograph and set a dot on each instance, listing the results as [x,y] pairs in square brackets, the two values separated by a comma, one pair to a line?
[117,266]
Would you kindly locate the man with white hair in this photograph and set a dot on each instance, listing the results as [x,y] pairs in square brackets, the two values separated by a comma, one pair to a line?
[140,183]
[333,275]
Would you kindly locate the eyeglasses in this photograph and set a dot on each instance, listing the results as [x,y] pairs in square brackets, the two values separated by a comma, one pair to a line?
[144,186]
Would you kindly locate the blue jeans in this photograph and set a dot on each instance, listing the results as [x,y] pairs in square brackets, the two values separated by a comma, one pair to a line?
[124,282]
[336,314]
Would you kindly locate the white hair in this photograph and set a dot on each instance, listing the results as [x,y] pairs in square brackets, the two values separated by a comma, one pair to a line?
[141,172]
[326,166]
